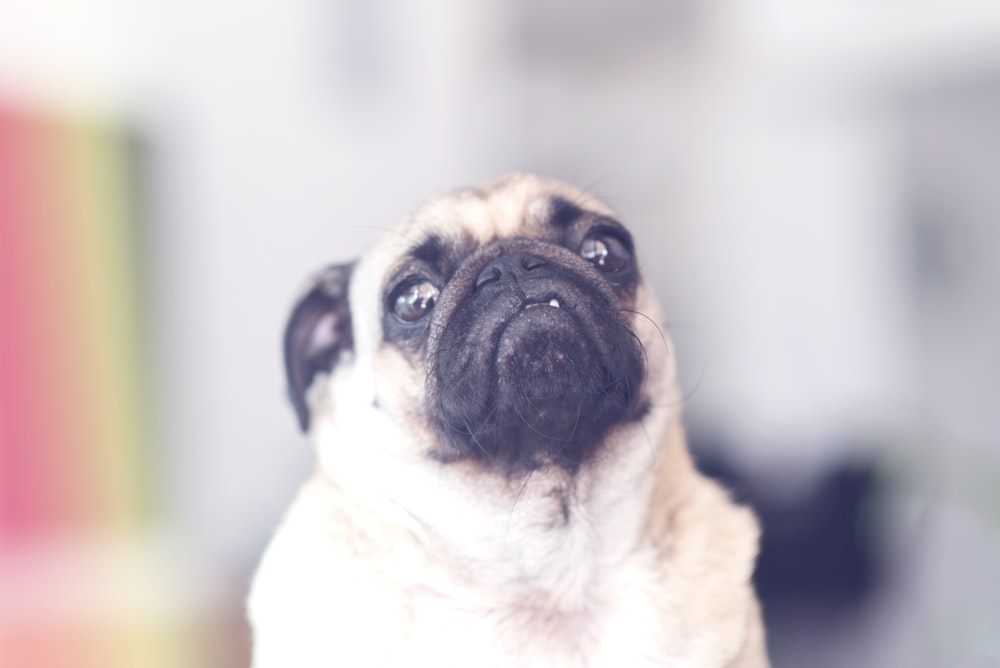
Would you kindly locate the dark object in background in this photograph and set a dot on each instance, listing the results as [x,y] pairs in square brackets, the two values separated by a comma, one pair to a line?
[816,555]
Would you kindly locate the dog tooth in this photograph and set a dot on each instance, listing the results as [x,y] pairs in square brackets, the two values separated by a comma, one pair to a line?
[554,302]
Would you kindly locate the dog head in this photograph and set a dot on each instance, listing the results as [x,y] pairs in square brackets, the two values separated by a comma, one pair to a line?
[492,338]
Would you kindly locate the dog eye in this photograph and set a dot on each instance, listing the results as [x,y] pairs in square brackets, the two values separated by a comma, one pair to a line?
[606,252]
[415,300]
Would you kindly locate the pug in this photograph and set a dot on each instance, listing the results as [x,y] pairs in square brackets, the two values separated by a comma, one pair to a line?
[502,475]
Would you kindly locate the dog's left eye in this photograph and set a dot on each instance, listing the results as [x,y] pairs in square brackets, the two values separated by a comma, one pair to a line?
[606,252]
[415,300]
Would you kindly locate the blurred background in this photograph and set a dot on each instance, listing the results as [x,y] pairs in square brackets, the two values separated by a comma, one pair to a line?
[814,186]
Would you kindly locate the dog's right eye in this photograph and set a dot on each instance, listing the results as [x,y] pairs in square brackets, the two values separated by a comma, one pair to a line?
[606,252]
[414,300]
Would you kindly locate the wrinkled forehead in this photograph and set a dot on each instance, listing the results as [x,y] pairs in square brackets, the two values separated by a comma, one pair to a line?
[515,206]
[459,221]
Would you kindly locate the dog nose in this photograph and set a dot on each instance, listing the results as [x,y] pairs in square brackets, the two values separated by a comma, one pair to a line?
[512,267]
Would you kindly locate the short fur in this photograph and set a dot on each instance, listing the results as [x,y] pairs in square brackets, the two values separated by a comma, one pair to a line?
[499,484]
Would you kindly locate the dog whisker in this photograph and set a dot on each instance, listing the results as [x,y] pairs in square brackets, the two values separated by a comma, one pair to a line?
[517,497]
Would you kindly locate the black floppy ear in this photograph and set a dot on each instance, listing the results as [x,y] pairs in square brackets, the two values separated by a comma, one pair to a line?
[318,332]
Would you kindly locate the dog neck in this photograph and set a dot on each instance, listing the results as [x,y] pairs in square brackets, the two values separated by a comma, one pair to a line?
[548,539]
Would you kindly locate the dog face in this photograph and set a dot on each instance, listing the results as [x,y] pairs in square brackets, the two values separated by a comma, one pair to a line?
[494,356]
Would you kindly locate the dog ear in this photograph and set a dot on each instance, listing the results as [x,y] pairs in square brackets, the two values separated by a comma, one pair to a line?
[317,334]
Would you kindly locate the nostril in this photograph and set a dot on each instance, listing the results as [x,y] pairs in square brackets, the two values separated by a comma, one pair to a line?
[488,275]
[511,268]
[529,262]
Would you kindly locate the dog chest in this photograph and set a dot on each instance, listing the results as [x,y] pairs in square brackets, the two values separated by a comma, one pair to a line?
[617,626]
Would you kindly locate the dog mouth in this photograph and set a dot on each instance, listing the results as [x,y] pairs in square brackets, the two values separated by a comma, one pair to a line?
[554,303]
[535,371]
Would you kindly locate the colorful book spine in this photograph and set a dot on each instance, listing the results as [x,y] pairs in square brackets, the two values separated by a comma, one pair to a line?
[82,583]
